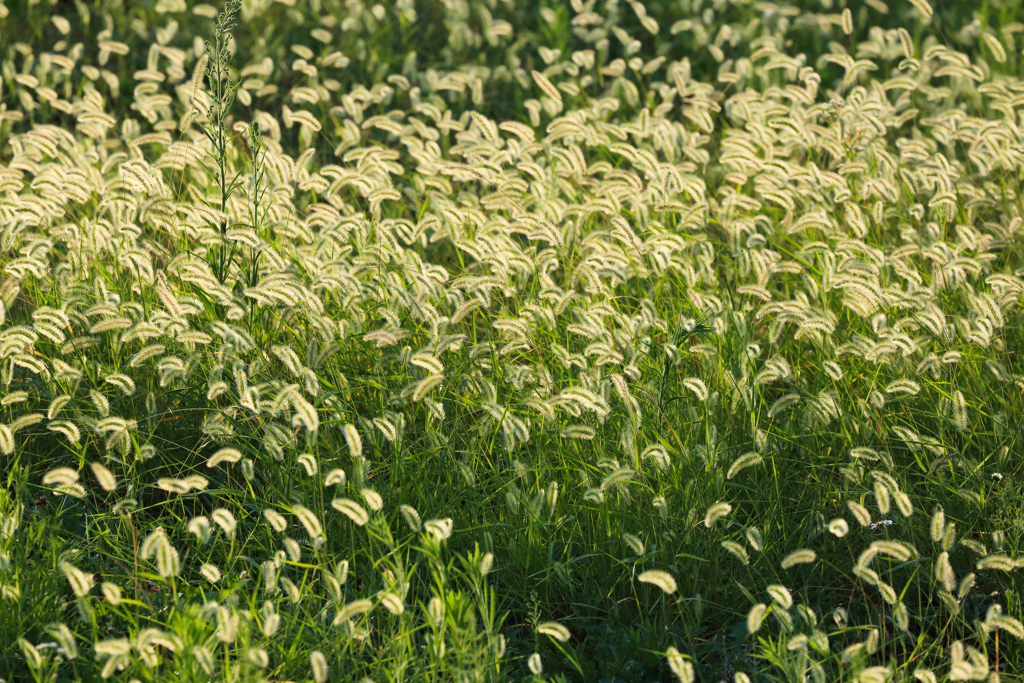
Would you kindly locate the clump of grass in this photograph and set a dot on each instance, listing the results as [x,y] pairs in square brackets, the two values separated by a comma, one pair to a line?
[518,352]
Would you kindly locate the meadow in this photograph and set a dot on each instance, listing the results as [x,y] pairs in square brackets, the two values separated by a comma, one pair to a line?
[487,340]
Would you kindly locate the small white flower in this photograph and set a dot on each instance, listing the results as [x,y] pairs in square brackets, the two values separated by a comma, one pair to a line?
[996,475]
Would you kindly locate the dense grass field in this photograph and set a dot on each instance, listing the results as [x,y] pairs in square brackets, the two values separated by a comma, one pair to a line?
[486,340]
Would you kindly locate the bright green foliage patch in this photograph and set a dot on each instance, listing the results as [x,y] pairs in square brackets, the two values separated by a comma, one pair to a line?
[473,341]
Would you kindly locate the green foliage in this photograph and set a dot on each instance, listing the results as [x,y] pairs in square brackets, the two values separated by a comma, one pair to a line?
[480,341]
